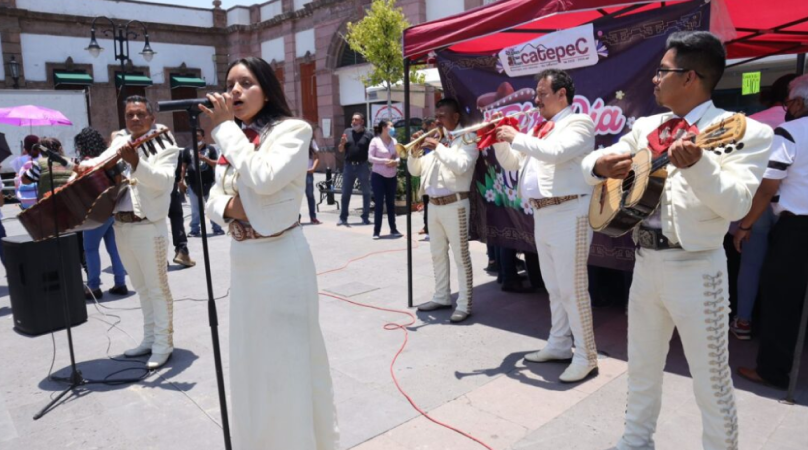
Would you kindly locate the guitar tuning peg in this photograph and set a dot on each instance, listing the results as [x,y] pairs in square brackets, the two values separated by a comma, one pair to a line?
[739,146]
[729,149]
[717,152]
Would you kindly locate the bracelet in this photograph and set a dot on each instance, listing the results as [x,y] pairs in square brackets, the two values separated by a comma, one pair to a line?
[740,227]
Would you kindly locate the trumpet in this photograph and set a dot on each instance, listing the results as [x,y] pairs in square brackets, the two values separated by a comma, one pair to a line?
[452,135]
[414,147]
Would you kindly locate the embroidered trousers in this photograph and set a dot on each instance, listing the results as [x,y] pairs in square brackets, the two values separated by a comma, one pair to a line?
[143,247]
[563,236]
[448,228]
[686,291]
[280,381]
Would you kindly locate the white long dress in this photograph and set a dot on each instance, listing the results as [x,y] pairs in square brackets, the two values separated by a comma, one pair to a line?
[280,381]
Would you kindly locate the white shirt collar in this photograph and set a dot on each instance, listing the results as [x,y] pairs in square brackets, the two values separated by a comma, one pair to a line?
[695,114]
[562,114]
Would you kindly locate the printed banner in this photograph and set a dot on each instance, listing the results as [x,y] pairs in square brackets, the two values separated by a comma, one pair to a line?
[615,91]
[564,49]
[381,111]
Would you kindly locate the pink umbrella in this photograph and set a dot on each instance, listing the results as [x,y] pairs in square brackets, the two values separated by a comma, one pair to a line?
[32,116]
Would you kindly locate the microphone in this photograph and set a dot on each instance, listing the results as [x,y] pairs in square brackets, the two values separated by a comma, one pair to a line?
[53,156]
[183,105]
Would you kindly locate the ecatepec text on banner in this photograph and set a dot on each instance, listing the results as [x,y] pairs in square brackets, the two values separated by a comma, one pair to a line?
[565,49]
[614,88]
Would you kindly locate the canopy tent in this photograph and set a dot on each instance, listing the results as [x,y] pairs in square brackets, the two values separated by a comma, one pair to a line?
[752,30]
[749,28]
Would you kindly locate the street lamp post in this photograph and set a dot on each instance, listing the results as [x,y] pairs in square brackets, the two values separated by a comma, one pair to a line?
[14,71]
[121,35]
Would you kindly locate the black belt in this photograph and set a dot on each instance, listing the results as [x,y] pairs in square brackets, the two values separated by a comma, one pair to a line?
[356,163]
[653,239]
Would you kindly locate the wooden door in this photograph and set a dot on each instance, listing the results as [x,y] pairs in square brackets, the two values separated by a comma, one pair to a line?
[308,89]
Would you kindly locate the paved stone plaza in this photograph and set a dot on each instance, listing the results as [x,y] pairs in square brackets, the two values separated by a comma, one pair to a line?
[471,375]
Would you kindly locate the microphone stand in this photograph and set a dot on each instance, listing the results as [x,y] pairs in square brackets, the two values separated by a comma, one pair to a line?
[213,316]
[75,379]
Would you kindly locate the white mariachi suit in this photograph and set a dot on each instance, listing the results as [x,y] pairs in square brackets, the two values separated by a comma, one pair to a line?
[143,246]
[685,288]
[561,231]
[448,171]
[280,381]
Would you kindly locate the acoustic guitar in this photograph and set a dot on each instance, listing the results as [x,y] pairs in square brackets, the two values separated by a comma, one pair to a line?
[85,202]
[618,206]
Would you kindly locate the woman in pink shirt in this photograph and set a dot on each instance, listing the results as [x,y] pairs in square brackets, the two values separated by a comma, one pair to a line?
[382,154]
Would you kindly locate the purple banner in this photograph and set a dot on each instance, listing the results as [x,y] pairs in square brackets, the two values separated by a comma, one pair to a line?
[614,92]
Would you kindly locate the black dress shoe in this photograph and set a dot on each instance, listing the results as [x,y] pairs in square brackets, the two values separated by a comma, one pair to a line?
[95,293]
[492,267]
[516,287]
[119,290]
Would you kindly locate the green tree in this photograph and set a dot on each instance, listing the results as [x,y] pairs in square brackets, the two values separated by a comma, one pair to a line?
[377,37]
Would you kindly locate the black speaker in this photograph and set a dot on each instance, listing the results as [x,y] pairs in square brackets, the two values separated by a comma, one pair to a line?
[35,281]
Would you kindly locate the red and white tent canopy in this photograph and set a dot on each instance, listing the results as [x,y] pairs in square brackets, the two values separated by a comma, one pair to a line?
[755,28]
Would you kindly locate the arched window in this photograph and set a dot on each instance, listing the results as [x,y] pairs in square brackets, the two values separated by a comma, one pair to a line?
[350,57]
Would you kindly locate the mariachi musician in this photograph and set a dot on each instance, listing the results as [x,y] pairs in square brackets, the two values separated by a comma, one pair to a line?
[549,161]
[140,224]
[680,271]
[446,170]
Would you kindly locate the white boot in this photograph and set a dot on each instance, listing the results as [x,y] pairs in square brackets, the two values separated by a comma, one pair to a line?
[577,372]
[140,350]
[548,354]
[157,360]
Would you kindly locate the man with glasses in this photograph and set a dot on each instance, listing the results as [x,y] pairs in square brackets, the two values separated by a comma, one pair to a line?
[783,280]
[680,271]
[549,165]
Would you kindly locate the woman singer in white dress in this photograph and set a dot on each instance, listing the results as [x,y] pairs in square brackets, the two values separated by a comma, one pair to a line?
[280,380]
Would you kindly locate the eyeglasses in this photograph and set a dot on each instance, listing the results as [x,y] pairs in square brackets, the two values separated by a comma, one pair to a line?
[788,103]
[660,71]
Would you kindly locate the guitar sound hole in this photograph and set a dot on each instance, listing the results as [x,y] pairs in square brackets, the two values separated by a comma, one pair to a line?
[628,183]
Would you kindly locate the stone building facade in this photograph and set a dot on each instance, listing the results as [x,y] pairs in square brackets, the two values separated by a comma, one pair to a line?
[302,39]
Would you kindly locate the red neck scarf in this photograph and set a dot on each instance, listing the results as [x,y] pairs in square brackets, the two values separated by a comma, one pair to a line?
[252,135]
[661,139]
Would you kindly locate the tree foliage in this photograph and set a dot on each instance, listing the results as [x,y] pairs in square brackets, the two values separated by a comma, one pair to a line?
[377,37]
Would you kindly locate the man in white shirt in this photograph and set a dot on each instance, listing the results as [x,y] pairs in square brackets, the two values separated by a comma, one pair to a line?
[783,281]
[680,271]
[446,170]
[140,225]
[549,165]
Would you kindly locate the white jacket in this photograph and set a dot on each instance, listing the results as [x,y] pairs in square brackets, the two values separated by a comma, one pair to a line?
[446,167]
[559,156]
[271,180]
[699,202]
[151,183]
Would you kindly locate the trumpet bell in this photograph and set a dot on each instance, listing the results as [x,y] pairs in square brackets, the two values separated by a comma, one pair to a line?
[401,149]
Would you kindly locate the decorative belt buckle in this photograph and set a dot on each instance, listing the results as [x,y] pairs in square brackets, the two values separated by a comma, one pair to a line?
[238,231]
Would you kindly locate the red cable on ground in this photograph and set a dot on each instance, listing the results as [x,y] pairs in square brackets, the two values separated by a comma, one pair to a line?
[390,326]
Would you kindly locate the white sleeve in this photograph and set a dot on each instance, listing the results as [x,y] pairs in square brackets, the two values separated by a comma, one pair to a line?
[781,157]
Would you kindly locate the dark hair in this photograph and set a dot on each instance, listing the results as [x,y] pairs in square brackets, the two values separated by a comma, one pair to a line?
[779,90]
[377,130]
[428,121]
[201,130]
[29,142]
[701,51]
[559,79]
[450,103]
[139,99]
[361,116]
[51,144]
[89,143]
[276,107]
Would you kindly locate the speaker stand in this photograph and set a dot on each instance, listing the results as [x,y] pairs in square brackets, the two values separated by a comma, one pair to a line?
[75,379]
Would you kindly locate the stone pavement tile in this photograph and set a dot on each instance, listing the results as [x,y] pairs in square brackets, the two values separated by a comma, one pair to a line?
[567,434]
[369,414]
[525,398]
[381,442]
[603,410]
[495,431]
